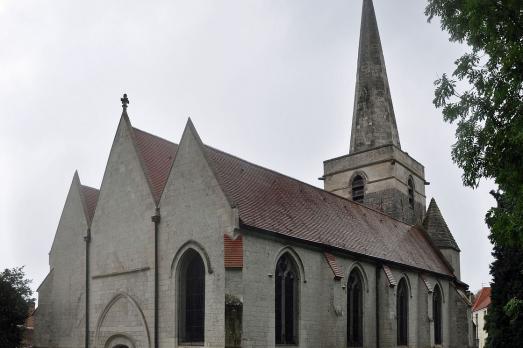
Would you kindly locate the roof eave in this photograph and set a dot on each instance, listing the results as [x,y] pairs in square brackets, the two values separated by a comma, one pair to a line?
[322,246]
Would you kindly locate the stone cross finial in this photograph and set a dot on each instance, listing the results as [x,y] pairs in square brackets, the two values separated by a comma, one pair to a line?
[124,101]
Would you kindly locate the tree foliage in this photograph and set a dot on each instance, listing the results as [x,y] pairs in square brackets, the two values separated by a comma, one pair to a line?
[488,111]
[484,97]
[504,322]
[15,296]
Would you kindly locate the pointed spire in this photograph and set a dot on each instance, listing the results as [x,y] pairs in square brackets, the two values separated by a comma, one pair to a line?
[373,120]
[437,228]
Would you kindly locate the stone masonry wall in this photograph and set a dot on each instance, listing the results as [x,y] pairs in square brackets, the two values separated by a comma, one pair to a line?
[61,314]
[122,250]
[322,310]
[386,171]
[195,215]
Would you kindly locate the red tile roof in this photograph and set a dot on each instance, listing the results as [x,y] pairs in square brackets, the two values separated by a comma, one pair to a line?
[331,260]
[270,201]
[157,155]
[91,198]
[482,299]
[232,251]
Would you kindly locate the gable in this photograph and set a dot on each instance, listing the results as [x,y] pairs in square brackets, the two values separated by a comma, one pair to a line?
[124,164]
[191,163]
[121,228]
[73,223]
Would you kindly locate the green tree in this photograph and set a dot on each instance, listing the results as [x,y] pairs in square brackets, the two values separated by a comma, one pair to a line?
[15,296]
[484,97]
[489,110]
[504,322]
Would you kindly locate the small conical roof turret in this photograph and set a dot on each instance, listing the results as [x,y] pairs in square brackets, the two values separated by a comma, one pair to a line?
[437,228]
[373,120]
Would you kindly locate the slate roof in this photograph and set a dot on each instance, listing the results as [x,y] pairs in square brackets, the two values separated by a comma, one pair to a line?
[91,198]
[437,228]
[482,299]
[270,201]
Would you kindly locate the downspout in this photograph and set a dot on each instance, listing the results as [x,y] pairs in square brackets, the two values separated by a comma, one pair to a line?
[156,219]
[87,240]
[378,267]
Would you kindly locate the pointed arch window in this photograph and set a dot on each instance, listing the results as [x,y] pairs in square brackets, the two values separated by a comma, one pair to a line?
[402,312]
[358,188]
[355,309]
[191,315]
[286,301]
[436,315]
[411,192]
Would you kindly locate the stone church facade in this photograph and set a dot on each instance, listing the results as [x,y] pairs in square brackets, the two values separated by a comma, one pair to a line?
[185,245]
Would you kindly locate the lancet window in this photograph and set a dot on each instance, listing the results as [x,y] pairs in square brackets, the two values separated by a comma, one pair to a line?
[286,301]
[402,312]
[191,299]
[355,309]
[436,314]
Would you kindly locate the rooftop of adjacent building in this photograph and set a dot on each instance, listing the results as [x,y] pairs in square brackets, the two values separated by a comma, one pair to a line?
[482,299]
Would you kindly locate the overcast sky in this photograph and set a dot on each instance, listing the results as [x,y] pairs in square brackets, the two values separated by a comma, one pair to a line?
[270,81]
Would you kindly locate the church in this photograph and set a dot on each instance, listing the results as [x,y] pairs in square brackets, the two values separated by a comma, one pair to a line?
[184,245]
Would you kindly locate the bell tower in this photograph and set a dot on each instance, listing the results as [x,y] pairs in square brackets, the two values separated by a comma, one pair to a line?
[376,172]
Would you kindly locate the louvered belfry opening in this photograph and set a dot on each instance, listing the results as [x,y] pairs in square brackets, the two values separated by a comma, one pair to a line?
[436,315]
[355,309]
[286,301]
[192,299]
[358,189]
[402,313]
[411,192]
